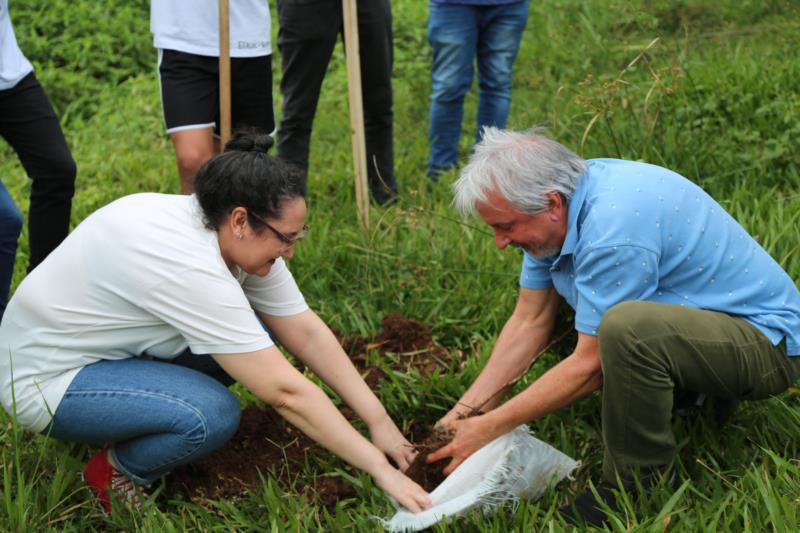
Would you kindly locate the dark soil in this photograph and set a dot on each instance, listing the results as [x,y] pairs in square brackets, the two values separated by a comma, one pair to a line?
[265,443]
[409,343]
[430,475]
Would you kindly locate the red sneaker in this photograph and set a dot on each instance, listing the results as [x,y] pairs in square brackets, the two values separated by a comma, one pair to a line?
[105,480]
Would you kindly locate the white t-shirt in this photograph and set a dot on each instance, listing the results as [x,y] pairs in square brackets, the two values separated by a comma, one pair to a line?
[192,26]
[142,275]
[13,65]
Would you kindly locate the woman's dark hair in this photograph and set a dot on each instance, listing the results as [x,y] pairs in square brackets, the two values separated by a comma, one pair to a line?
[245,175]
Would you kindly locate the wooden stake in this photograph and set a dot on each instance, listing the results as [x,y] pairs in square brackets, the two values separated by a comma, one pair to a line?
[350,15]
[224,73]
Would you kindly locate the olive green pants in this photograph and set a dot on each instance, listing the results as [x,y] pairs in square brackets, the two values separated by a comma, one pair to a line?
[648,349]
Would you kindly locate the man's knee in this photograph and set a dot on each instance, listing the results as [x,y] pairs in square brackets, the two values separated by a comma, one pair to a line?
[451,74]
[618,320]
[623,325]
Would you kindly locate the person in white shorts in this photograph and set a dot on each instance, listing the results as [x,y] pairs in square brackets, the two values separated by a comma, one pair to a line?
[160,312]
[186,34]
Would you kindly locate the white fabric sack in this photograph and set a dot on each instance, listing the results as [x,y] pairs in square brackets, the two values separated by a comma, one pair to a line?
[514,466]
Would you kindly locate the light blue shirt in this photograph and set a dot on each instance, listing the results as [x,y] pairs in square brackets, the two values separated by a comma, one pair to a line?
[641,232]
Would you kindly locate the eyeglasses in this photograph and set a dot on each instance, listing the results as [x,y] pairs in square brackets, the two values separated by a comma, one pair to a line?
[287,241]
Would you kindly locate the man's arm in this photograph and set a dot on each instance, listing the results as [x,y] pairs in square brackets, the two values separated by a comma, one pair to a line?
[571,379]
[309,339]
[524,335]
[272,379]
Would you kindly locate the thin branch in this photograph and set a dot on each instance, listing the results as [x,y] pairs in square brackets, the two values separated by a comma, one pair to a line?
[479,409]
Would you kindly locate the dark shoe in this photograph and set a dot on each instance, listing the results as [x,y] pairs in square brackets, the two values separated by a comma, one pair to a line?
[384,197]
[724,409]
[589,508]
[689,403]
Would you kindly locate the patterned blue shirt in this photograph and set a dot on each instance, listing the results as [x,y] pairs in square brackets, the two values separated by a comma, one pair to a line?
[641,232]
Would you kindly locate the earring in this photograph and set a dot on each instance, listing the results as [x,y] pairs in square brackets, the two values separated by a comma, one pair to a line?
[239,236]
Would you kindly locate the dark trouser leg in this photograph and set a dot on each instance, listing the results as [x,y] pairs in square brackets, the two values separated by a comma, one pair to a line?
[306,38]
[30,125]
[648,349]
[375,46]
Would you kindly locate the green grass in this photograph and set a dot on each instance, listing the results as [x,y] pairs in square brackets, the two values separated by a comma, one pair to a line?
[709,89]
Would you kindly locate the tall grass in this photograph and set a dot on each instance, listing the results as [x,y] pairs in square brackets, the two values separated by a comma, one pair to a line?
[707,89]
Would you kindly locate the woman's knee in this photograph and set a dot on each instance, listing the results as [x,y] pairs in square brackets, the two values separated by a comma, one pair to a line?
[221,414]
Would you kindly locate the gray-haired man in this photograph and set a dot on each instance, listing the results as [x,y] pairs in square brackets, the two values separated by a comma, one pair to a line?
[669,292]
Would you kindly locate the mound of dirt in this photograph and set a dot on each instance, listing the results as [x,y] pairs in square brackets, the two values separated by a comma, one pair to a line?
[409,343]
[265,443]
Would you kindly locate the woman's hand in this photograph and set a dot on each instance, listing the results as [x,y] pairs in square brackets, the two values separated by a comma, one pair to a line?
[401,488]
[388,439]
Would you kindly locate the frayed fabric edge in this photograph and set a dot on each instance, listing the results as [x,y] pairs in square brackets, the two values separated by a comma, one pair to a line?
[495,489]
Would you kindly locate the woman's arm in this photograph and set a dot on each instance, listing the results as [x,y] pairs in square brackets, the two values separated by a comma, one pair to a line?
[309,339]
[272,379]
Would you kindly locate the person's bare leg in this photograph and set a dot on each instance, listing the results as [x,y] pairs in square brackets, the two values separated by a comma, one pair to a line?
[193,148]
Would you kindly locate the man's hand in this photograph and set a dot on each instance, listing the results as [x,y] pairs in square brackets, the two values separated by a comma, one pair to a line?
[388,439]
[458,412]
[469,436]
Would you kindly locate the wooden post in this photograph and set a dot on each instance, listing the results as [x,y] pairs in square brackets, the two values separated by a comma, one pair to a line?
[350,15]
[224,73]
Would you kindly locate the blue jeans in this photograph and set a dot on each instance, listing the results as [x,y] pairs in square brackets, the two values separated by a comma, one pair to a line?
[156,414]
[458,34]
[10,228]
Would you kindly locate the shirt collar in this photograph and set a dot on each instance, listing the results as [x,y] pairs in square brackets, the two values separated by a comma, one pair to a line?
[573,209]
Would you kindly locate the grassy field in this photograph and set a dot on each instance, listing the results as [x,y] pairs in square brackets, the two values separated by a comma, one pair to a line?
[709,89]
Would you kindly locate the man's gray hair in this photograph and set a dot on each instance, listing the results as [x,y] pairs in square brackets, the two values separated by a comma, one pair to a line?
[523,167]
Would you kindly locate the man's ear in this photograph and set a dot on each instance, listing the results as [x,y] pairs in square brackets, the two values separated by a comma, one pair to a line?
[556,206]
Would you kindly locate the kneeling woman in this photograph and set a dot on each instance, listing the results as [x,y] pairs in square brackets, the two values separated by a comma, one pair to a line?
[105,340]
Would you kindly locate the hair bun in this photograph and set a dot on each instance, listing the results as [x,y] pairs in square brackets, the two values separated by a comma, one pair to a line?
[249,141]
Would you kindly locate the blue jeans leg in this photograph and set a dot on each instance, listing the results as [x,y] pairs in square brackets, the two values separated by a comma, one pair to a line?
[501,29]
[156,414]
[453,34]
[10,228]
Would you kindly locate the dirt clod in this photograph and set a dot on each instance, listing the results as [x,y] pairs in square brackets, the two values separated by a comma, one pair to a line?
[429,475]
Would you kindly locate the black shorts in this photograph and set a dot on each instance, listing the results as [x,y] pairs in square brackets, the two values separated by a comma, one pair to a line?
[190,91]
